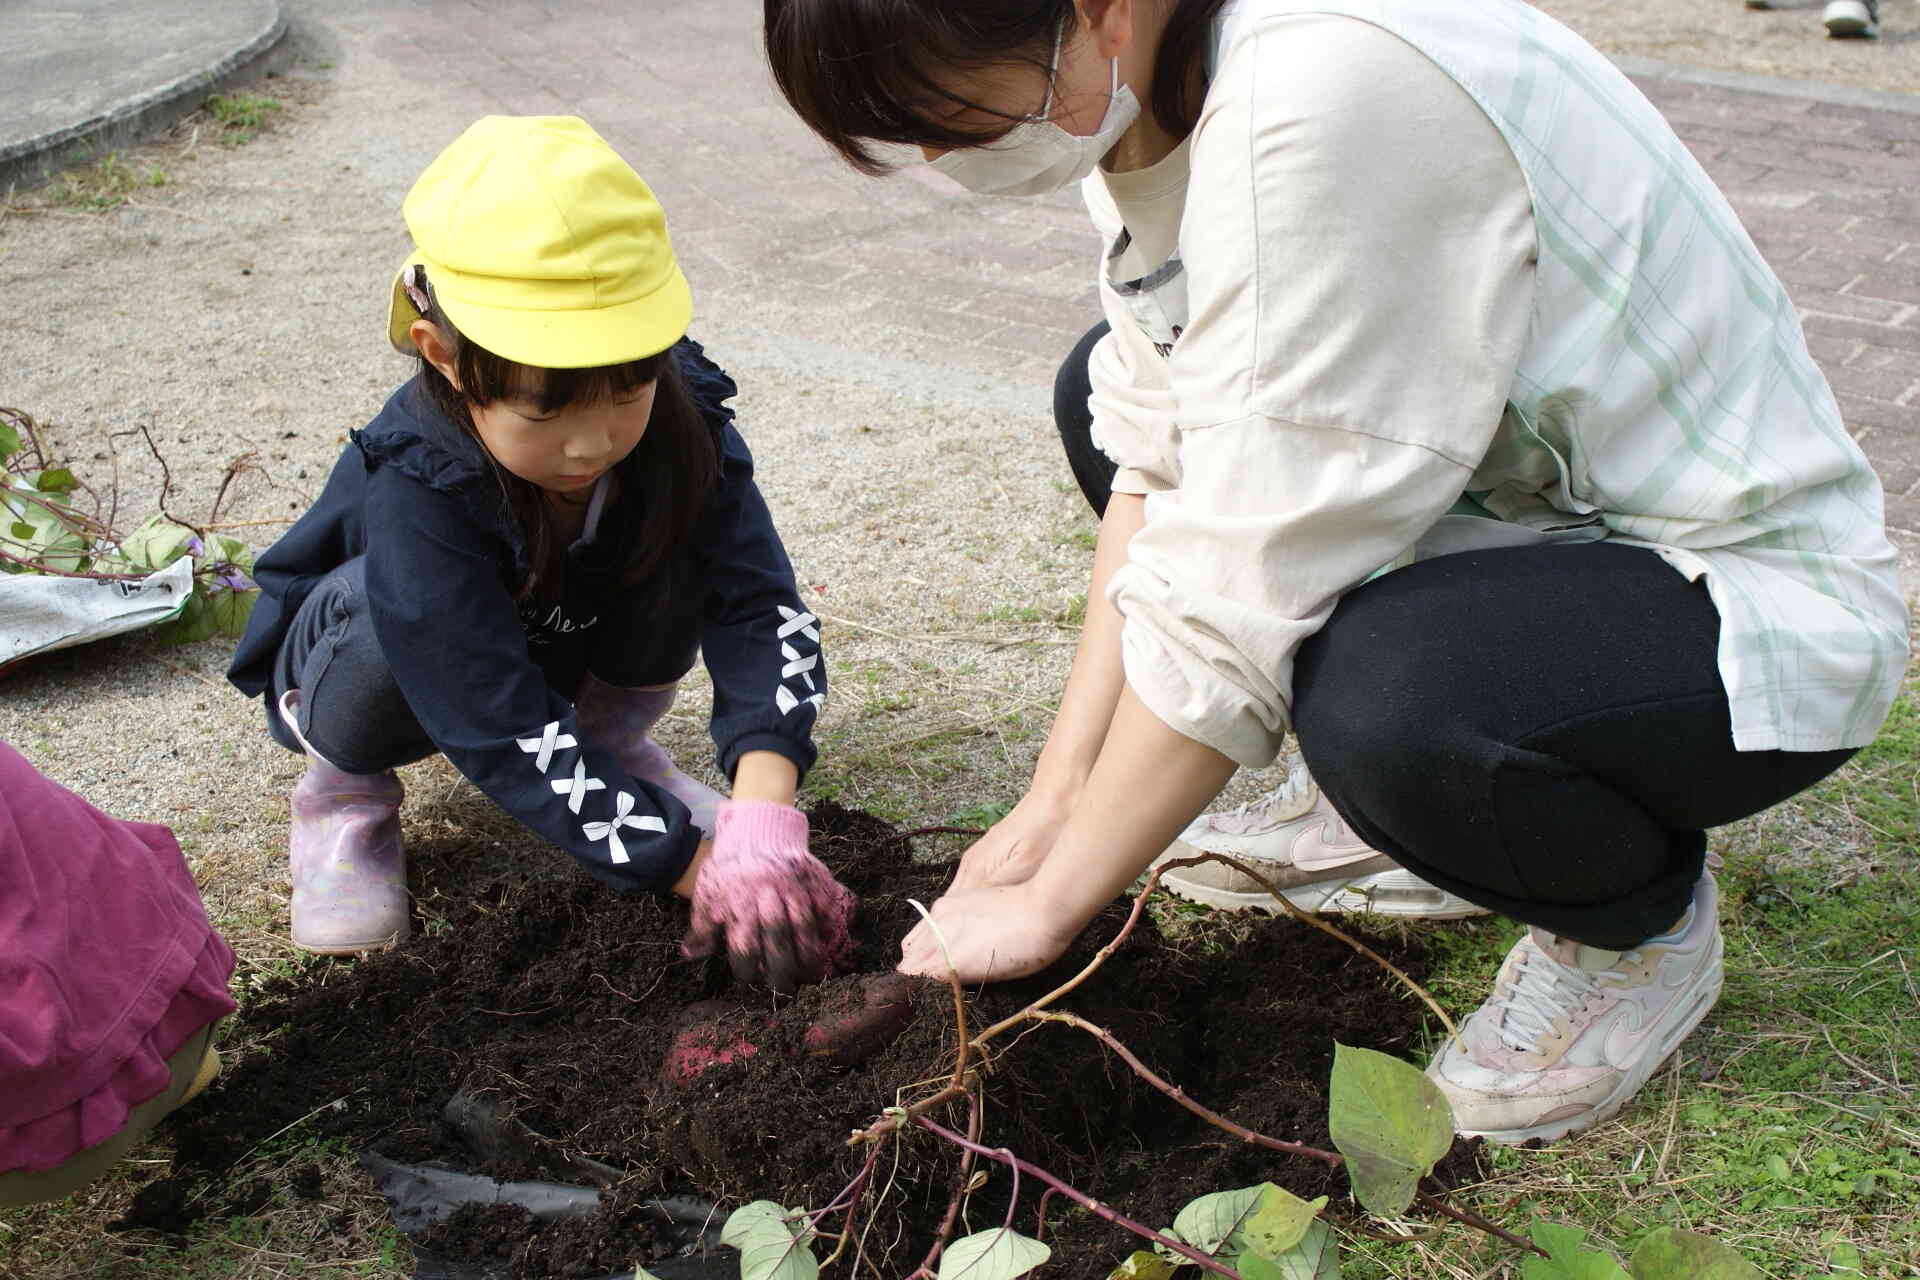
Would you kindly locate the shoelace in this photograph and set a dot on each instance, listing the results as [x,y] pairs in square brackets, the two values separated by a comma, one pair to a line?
[1283,797]
[1543,992]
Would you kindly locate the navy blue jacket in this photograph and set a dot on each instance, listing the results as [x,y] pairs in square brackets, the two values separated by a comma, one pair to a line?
[415,494]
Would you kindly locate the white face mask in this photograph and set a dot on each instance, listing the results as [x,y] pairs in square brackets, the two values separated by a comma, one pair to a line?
[1039,157]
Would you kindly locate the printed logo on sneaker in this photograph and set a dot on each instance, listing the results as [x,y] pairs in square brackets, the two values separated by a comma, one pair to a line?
[1627,1032]
[1314,852]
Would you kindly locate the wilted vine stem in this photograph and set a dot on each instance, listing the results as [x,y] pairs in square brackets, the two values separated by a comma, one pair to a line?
[852,1196]
[1093,966]
[68,573]
[1079,1197]
[1332,1159]
[960,1188]
[1308,918]
[1468,1218]
[955,1088]
[958,1085]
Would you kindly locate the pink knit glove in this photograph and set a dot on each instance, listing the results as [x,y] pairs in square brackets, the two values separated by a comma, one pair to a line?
[781,915]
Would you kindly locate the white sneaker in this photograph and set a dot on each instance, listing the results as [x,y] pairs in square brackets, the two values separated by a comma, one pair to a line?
[1571,1032]
[1309,852]
[1852,19]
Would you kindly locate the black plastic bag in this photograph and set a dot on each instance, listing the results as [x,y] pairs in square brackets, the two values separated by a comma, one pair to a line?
[422,1195]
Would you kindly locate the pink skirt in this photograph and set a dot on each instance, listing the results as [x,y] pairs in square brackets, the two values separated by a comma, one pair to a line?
[108,964]
[52,1140]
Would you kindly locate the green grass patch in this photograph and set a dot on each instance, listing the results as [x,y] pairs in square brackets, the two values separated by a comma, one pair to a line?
[1879,790]
[892,770]
[239,116]
[1021,613]
[106,184]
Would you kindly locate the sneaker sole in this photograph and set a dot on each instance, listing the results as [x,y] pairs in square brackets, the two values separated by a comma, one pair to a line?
[1691,1016]
[1386,893]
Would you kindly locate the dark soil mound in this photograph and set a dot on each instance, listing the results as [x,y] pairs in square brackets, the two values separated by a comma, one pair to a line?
[558,1003]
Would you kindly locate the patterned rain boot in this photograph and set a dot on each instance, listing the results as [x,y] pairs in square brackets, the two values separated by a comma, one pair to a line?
[620,720]
[349,871]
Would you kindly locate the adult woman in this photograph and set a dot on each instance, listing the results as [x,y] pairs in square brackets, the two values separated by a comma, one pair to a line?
[1427,287]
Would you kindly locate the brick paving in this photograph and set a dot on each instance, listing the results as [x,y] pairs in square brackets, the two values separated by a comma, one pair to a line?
[1830,191]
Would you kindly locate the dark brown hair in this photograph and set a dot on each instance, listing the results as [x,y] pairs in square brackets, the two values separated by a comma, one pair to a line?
[862,71]
[664,481]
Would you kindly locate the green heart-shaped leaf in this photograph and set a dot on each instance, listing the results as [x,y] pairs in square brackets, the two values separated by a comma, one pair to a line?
[1279,1220]
[1143,1264]
[1672,1254]
[1566,1259]
[196,621]
[999,1254]
[1315,1257]
[1390,1121]
[155,544]
[771,1246]
[229,610]
[1209,1221]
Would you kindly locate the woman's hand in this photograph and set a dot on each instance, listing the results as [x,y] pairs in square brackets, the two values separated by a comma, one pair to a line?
[993,933]
[1014,847]
[1150,782]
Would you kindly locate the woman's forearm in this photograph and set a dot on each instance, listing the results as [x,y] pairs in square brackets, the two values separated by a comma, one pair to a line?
[1149,783]
[1093,688]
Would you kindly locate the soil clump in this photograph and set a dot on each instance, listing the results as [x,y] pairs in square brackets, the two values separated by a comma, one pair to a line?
[565,1006]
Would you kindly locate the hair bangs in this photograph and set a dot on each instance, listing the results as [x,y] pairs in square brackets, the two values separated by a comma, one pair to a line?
[861,72]
[488,377]
[858,72]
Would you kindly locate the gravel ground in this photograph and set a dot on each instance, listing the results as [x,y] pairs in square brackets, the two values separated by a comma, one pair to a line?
[1787,40]
[236,311]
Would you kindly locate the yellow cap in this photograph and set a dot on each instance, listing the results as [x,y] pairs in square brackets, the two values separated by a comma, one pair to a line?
[543,246]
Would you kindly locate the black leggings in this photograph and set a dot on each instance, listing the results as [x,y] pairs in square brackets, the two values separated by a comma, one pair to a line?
[1540,730]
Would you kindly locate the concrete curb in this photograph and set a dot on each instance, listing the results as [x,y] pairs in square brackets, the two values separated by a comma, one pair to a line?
[35,160]
[1842,95]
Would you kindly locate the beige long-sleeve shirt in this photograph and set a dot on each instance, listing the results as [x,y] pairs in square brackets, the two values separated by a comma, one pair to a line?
[1357,245]
[1330,320]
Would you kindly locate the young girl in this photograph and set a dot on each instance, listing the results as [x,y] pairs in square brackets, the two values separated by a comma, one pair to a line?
[514,564]
[1426,284]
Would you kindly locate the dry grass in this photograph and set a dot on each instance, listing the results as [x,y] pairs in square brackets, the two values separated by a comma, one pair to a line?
[156,174]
